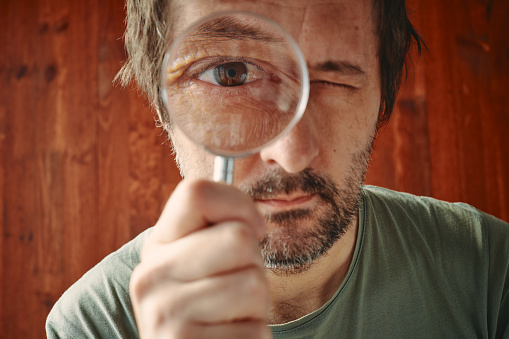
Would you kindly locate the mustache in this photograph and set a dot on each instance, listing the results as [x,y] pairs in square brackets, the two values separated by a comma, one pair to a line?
[278,182]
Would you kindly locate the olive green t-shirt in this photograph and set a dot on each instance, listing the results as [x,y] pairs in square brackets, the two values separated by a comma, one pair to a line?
[422,268]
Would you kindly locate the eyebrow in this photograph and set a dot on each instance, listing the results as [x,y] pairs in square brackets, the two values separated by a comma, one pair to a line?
[343,67]
[227,28]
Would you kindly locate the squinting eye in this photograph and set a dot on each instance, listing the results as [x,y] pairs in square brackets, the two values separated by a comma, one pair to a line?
[230,74]
[332,84]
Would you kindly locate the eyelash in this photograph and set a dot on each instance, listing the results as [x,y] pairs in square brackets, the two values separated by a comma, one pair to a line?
[333,84]
[202,69]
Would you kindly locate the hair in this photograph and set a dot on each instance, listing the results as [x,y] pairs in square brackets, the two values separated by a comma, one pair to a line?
[148,22]
[149,28]
[396,36]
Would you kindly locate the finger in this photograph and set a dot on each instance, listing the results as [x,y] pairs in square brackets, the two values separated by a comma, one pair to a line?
[241,295]
[211,251]
[197,203]
[227,298]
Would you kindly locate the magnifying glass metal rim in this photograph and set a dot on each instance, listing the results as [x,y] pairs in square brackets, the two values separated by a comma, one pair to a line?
[301,106]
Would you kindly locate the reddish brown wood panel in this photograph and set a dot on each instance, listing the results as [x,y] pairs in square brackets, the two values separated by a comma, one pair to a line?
[447,137]
[83,168]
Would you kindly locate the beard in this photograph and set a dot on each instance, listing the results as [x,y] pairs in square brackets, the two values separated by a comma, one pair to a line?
[289,249]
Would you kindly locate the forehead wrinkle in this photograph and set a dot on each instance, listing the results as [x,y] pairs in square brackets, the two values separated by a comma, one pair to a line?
[294,3]
[228,28]
[347,46]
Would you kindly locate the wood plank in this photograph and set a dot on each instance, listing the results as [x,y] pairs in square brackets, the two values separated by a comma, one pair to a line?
[467,148]
[496,128]
[113,131]
[65,161]
[5,140]
[20,207]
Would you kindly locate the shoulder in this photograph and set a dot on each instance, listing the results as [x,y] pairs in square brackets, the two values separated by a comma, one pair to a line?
[454,240]
[98,304]
[451,229]
[452,217]
[407,204]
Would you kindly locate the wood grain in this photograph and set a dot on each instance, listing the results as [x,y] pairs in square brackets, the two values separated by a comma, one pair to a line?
[456,148]
[69,162]
[83,168]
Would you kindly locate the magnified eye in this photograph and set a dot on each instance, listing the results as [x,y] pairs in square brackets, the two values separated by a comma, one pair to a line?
[230,74]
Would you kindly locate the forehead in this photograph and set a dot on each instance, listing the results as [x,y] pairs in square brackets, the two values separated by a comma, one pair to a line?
[324,29]
[301,18]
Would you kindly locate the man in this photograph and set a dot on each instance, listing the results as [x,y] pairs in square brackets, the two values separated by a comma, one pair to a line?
[338,258]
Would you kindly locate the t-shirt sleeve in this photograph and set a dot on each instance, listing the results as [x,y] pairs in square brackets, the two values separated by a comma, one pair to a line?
[498,277]
[98,304]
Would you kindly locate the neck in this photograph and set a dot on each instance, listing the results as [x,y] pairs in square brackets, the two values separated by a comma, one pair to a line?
[297,293]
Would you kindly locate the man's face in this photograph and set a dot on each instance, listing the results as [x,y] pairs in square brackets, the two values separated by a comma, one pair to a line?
[307,183]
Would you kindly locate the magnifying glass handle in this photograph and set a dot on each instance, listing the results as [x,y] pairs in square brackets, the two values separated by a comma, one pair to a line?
[223,169]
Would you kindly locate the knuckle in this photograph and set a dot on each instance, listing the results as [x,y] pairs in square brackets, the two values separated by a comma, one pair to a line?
[190,192]
[156,318]
[137,283]
[147,280]
[157,305]
[196,188]
[240,234]
[241,243]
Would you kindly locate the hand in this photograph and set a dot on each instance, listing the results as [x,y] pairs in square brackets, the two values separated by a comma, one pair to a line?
[201,274]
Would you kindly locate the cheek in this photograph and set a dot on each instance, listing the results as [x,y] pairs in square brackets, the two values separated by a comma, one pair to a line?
[193,160]
[343,117]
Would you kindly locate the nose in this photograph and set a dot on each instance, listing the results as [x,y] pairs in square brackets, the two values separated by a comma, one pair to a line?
[295,150]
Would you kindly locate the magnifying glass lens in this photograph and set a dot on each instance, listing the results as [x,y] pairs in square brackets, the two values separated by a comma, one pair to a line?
[234,82]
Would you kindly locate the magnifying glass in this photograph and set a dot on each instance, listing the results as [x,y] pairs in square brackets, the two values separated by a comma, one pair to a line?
[234,82]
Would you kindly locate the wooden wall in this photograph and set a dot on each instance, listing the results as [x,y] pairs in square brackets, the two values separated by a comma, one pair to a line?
[449,135]
[83,169]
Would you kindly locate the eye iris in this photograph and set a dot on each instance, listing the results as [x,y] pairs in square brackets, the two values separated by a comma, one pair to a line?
[231,74]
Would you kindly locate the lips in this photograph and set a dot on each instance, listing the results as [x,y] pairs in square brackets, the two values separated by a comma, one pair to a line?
[285,201]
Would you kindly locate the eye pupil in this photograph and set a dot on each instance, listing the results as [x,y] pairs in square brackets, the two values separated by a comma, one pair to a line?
[230,74]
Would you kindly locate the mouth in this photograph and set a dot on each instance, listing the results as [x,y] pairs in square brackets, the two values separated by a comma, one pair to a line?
[286,202]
